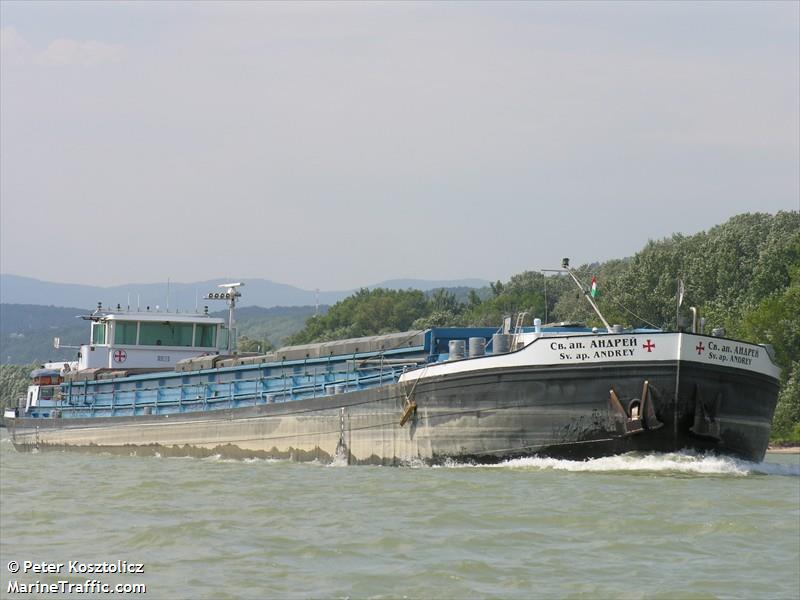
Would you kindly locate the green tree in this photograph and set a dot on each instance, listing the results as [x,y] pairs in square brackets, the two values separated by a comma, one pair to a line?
[367,312]
[727,270]
[786,423]
[776,321]
[443,301]
[524,292]
[14,380]
[473,299]
[246,344]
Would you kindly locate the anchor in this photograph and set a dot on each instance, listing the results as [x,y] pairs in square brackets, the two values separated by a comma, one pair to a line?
[641,414]
[410,404]
[409,409]
[705,415]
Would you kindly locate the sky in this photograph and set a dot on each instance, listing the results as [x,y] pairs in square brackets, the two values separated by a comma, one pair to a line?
[333,145]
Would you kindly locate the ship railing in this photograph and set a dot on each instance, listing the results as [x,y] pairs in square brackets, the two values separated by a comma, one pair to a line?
[350,376]
[212,395]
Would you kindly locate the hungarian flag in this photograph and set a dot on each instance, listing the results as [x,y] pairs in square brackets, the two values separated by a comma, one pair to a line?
[594,286]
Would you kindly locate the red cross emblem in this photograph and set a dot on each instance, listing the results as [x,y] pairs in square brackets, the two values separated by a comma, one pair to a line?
[700,348]
[649,346]
[120,356]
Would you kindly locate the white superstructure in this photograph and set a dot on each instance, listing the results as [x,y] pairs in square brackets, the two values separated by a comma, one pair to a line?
[147,339]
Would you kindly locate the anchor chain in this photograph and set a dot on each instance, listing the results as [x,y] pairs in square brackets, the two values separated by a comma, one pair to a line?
[341,447]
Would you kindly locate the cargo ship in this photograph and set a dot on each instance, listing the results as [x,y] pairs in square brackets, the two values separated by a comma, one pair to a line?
[170,384]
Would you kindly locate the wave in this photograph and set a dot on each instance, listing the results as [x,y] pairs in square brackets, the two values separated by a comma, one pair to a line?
[339,460]
[219,458]
[673,462]
[683,462]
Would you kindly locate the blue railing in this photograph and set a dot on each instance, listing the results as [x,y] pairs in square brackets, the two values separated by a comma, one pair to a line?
[91,399]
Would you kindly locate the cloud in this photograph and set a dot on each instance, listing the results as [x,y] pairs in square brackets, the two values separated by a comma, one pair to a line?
[350,121]
[16,51]
[89,53]
[14,48]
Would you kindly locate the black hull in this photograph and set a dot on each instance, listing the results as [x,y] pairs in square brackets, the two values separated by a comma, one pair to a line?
[567,413]
[481,416]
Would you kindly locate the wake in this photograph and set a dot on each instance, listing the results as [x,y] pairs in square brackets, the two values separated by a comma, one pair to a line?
[673,462]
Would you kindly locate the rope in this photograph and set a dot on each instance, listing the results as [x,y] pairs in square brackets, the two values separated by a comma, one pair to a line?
[413,387]
[626,309]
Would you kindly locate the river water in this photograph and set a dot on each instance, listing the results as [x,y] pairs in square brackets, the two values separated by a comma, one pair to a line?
[657,526]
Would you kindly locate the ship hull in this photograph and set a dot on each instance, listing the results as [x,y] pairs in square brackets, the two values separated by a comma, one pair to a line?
[484,416]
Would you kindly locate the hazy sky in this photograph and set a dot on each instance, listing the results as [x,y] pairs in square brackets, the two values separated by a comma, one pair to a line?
[335,145]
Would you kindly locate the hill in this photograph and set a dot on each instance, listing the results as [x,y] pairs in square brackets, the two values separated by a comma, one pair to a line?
[27,330]
[273,324]
[15,289]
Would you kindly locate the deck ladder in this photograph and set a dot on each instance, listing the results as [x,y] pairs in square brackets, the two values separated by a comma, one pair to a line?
[518,329]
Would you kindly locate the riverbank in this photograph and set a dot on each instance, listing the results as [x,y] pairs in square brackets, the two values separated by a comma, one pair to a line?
[784,449]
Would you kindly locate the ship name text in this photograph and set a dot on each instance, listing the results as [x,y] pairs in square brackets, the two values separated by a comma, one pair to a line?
[618,347]
[730,353]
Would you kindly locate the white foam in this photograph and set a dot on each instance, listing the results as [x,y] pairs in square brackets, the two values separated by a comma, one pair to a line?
[263,460]
[675,462]
[219,458]
[339,460]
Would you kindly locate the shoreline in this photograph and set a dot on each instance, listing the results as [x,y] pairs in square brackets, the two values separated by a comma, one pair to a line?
[784,449]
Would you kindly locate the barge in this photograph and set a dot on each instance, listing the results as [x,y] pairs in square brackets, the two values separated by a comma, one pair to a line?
[161,383]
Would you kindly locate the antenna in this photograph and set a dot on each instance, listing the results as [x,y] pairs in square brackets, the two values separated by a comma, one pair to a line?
[316,311]
[167,294]
[544,279]
[565,266]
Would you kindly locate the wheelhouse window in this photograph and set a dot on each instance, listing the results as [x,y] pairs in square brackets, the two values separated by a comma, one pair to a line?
[98,333]
[183,334]
[205,336]
[125,332]
[165,334]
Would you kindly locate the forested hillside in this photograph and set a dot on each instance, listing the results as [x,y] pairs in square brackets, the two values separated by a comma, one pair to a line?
[27,332]
[269,327]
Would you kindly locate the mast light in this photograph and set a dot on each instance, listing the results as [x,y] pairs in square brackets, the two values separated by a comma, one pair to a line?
[230,294]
